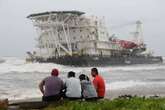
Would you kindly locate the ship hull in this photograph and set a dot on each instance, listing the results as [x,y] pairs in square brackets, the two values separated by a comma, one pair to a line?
[86,61]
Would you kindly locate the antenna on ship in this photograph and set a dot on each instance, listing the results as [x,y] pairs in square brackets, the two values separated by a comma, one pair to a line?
[138,34]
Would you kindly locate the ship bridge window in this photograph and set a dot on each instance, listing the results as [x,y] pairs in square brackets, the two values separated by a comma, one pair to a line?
[75,46]
[51,45]
[95,22]
[74,38]
[60,38]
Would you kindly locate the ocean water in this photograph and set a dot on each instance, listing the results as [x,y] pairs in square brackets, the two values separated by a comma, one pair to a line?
[19,80]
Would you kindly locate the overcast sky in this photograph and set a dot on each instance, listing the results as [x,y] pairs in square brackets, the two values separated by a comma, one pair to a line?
[17,33]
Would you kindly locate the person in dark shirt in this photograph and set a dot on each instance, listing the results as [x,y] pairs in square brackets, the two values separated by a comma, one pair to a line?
[98,82]
[51,87]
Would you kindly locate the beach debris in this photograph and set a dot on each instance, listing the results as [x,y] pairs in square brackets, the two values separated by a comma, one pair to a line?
[126,96]
[4,103]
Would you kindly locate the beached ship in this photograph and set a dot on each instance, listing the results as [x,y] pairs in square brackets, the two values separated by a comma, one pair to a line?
[72,38]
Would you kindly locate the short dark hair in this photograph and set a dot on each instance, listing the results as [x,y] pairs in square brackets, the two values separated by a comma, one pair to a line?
[83,77]
[94,70]
[71,74]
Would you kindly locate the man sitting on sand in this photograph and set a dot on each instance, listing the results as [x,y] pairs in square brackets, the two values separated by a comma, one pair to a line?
[73,87]
[98,82]
[51,87]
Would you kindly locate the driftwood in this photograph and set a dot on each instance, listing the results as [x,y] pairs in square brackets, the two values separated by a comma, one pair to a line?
[4,104]
[28,105]
[37,104]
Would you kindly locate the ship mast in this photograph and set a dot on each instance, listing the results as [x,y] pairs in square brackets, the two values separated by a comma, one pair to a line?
[138,34]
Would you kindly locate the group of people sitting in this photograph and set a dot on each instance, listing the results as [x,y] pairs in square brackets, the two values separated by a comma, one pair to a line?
[54,88]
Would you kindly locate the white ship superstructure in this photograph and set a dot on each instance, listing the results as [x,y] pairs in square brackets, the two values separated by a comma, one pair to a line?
[64,33]
[72,38]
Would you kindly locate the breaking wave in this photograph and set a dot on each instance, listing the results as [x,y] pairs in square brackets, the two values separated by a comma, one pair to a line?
[123,84]
[26,93]
[131,83]
[13,64]
[2,60]
[21,94]
[14,86]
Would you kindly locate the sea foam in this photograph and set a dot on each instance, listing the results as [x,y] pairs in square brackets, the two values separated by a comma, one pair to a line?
[13,64]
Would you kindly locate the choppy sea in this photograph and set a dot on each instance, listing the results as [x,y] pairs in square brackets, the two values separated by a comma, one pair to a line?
[19,80]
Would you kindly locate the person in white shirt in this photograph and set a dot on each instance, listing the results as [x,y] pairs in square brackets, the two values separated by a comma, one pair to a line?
[73,87]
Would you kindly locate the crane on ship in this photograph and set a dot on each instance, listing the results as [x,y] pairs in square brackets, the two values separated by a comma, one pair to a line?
[137,35]
[136,44]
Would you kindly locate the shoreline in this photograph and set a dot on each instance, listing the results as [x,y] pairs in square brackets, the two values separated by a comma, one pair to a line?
[112,94]
[126,100]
